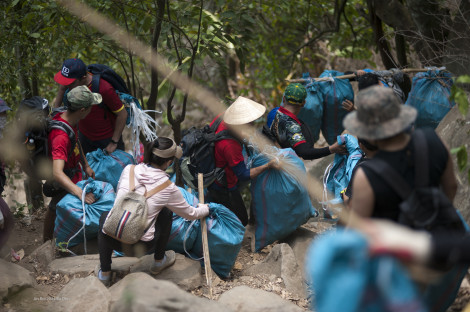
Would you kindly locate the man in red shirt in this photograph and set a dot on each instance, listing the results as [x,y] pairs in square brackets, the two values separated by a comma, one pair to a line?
[228,155]
[65,153]
[103,127]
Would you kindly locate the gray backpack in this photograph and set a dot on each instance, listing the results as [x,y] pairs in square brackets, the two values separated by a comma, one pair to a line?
[127,220]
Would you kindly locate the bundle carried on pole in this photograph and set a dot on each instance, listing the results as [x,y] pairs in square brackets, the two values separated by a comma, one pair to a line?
[405,70]
[205,243]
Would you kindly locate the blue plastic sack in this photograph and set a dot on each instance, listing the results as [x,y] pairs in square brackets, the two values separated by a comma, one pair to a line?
[69,211]
[430,96]
[312,112]
[224,234]
[334,93]
[341,276]
[180,226]
[279,201]
[271,116]
[338,177]
[108,168]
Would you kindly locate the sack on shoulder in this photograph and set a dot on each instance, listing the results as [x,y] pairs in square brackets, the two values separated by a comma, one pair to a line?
[127,220]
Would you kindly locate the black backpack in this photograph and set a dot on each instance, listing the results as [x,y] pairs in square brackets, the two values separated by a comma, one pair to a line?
[424,207]
[33,117]
[198,154]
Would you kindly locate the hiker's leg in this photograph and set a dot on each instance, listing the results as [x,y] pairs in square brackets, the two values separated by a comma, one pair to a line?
[162,232]
[106,245]
[49,220]
[238,206]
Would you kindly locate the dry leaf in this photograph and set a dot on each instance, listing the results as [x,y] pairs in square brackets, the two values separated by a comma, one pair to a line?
[42,278]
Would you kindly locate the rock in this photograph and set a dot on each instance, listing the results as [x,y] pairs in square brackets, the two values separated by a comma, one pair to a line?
[246,299]
[185,273]
[30,299]
[86,264]
[13,278]
[454,130]
[82,294]
[300,241]
[282,263]
[43,255]
[141,292]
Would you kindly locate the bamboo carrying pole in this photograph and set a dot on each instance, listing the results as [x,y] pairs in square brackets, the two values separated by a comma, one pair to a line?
[406,70]
[205,243]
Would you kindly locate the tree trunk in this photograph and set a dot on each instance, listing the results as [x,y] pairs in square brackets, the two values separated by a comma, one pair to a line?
[400,46]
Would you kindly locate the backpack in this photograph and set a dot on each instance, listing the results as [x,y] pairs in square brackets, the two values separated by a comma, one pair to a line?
[101,71]
[127,220]
[33,116]
[425,207]
[198,154]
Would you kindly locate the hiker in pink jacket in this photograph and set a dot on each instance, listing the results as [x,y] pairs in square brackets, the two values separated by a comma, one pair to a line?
[159,155]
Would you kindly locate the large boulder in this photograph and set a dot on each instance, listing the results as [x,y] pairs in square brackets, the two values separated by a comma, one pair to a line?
[281,262]
[246,299]
[300,241]
[82,295]
[13,278]
[29,299]
[141,292]
[454,130]
[185,273]
[41,256]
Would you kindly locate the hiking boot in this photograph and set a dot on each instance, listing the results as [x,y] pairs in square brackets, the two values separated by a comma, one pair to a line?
[106,280]
[168,261]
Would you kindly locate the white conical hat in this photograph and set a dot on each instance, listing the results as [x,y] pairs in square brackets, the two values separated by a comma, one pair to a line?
[243,111]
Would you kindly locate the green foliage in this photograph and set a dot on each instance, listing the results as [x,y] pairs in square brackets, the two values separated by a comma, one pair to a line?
[461,153]
[459,95]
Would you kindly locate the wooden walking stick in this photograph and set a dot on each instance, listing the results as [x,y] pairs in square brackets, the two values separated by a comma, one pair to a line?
[205,243]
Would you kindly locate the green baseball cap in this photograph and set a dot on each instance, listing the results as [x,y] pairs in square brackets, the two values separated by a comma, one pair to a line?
[81,97]
[295,94]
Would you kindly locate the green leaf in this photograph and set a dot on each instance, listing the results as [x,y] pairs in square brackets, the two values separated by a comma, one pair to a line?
[458,95]
[461,153]
[35,35]
[463,79]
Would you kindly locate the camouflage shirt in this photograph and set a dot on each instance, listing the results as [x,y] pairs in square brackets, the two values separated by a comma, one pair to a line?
[287,129]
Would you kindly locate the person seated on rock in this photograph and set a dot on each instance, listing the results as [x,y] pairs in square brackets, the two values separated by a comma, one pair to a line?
[291,132]
[159,155]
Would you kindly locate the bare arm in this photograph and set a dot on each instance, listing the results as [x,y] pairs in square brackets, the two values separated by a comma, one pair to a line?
[448,181]
[60,95]
[254,172]
[121,118]
[363,199]
[64,181]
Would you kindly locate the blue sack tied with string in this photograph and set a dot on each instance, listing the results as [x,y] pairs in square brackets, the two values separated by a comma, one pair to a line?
[108,168]
[70,216]
[183,235]
[224,234]
[430,96]
[340,173]
[312,112]
[279,202]
[342,276]
[334,91]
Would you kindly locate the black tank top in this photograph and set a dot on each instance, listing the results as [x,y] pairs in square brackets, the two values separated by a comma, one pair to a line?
[386,200]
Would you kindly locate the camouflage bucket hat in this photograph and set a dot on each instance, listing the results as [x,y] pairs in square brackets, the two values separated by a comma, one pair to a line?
[81,97]
[379,114]
[295,94]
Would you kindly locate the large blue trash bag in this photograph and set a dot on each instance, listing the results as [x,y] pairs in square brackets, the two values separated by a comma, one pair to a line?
[180,226]
[334,93]
[279,202]
[271,116]
[225,235]
[108,168]
[338,176]
[341,276]
[69,211]
[430,96]
[312,112]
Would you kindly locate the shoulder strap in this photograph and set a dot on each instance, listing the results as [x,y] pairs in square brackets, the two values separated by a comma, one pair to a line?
[421,158]
[95,83]
[131,178]
[216,124]
[390,175]
[158,188]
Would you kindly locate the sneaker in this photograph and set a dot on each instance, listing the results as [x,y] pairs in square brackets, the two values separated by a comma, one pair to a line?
[106,280]
[168,260]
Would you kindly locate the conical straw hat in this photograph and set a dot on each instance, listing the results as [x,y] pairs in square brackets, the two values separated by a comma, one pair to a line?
[243,111]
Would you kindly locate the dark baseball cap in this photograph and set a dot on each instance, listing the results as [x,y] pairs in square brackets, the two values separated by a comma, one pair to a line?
[72,69]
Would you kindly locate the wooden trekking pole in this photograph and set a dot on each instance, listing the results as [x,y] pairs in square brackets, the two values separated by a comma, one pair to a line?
[205,243]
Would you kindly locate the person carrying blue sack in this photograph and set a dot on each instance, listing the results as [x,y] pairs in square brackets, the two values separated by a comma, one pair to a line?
[291,132]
